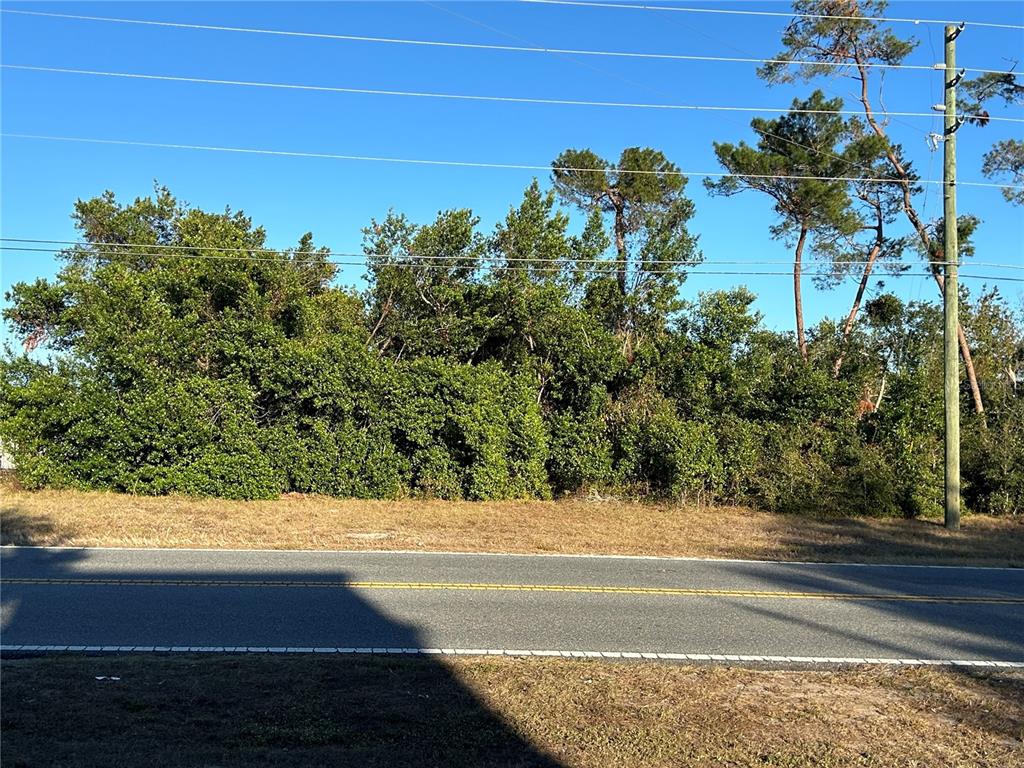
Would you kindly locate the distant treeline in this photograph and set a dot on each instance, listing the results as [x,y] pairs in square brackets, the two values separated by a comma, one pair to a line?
[174,353]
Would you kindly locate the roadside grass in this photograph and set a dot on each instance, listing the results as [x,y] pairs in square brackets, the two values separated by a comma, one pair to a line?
[305,711]
[600,526]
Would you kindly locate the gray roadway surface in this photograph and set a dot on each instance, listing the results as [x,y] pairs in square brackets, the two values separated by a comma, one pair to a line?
[257,613]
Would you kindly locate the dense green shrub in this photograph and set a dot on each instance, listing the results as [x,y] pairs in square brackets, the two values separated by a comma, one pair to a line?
[193,436]
[740,444]
[456,376]
[658,452]
[468,431]
[580,451]
[909,433]
[993,463]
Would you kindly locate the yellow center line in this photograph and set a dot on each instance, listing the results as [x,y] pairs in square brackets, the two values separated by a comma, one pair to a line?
[489,587]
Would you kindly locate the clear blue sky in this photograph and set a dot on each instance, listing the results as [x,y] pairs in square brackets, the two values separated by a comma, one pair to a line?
[335,199]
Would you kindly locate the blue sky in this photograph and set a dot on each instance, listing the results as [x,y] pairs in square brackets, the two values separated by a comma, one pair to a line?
[335,199]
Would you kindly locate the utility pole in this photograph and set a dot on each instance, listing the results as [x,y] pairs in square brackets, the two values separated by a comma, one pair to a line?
[951,294]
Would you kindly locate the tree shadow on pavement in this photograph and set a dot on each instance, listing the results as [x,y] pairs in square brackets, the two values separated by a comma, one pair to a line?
[219,709]
[939,627]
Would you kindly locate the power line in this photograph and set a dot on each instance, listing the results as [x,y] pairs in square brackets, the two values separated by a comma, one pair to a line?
[476,46]
[530,47]
[471,97]
[762,132]
[446,261]
[782,14]
[732,44]
[109,248]
[648,87]
[408,262]
[472,164]
[496,265]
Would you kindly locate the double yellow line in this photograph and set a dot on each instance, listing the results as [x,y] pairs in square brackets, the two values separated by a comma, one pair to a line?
[488,587]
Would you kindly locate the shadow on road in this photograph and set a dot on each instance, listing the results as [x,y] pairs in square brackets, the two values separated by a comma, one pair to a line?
[228,710]
[326,709]
[968,630]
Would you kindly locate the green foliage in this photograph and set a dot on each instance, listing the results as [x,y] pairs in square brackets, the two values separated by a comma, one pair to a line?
[193,436]
[467,431]
[823,34]
[910,431]
[656,452]
[644,194]
[803,142]
[476,366]
[993,463]
[990,85]
[1006,158]
[423,284]
[642,182]
[800,161]
[580,451]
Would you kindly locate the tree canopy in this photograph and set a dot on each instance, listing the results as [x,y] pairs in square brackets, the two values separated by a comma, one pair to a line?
[644,196]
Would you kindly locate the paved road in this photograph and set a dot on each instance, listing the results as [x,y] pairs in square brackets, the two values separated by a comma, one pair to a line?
[170,598]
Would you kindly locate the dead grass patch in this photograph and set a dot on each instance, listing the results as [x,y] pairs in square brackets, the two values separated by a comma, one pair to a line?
[570,526]
[290,711]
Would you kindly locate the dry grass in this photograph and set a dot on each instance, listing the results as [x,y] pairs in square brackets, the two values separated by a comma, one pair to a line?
[573,526]
[308,711]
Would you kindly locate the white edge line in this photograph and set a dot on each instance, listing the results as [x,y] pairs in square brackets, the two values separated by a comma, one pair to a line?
[574,654]
[568,555]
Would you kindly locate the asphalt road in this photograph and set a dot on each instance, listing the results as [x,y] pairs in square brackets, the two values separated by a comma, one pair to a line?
[194,598]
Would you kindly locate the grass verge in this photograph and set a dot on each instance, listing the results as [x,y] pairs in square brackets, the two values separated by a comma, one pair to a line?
[572,526]
[307,711]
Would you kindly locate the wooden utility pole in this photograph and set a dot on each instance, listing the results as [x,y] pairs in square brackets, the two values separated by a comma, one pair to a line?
[951,294]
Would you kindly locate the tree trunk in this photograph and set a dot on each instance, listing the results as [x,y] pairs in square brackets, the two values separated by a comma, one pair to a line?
[623,324]
[965,350]
[922,232]
[881,392]
[801,341]
[852,317]
[620,243]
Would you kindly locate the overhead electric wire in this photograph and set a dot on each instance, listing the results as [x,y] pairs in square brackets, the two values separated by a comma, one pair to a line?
[470,97]
[410,262]
[404,261]
[506,166]
[777,14]
[475,46]
[110,248]
[936,126]
[732,44]
[500,263]
[448,261]
[529,46]
[847,163]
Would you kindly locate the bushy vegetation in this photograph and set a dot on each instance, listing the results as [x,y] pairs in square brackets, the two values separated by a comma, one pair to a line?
[178,355]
